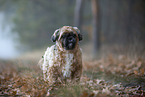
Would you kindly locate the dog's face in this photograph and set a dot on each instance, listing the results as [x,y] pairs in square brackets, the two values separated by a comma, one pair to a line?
[68,41]
[67,37]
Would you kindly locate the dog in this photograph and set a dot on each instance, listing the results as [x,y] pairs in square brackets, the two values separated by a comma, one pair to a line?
[62,62]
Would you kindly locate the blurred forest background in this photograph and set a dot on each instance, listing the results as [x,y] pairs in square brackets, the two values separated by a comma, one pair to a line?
[104,23]
[113,46]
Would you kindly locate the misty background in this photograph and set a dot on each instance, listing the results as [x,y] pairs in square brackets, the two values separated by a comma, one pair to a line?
[108,26]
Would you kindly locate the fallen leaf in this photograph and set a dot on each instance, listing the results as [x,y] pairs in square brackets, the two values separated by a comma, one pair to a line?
[24,88]
[135,72]
[142,71]
[96,92]
[14,92]
[84,94]
[106,90]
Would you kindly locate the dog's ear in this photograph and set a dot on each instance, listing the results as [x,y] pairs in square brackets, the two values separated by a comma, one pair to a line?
[55,36]
[80,37]
[79,34]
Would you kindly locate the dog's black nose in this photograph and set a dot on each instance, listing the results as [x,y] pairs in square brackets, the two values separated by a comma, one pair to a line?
[71,39]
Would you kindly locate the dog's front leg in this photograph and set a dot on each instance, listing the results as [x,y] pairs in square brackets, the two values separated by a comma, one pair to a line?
[77,75]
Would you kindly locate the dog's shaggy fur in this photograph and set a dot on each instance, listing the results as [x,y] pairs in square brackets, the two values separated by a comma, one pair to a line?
[60,63]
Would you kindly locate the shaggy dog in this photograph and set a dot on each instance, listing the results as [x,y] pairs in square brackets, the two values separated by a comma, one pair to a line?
[62,62]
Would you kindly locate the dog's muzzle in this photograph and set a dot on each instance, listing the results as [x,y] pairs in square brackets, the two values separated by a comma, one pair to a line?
[68,43]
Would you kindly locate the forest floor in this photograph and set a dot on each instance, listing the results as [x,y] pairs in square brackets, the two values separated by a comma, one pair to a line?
[108,76]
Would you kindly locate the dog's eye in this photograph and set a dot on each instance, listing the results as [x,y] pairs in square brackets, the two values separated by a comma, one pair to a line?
[63,36]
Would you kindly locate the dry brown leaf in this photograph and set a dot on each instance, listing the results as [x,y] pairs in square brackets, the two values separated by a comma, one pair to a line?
[139,64]
[142,71]
[43,92]
[24,88]
[84,94]
[106,90]
[111,59]
[135,72]
[14,92]
[96,92]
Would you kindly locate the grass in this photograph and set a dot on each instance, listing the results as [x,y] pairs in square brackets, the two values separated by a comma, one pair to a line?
[132,80]
[68,90]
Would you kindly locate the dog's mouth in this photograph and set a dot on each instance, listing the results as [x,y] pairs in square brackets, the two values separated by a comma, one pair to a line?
[70,46]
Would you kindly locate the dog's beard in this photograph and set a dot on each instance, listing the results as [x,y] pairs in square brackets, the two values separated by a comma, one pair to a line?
[68,42]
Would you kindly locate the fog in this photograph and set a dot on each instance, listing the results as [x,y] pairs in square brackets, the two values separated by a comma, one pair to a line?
[7,43]
[119,28]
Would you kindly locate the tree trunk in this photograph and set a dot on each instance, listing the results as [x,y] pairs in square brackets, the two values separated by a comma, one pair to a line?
[96,27]
[129,23]
[78,13]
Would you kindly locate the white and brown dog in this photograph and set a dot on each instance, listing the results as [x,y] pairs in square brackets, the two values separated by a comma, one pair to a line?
[62,62]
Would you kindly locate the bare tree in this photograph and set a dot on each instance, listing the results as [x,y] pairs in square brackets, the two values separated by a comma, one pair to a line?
[96,26]
[78,13]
